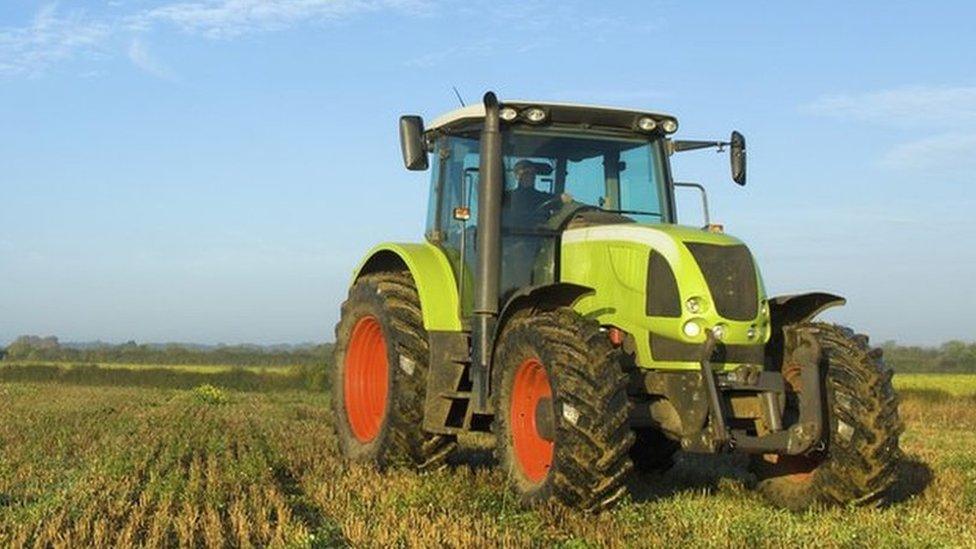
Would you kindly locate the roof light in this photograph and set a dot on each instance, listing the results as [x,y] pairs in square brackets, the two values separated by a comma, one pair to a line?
[534,114]
[670,125]
[646,123]
[507,114]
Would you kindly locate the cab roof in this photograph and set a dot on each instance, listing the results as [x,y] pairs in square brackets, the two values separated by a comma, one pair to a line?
[568,113]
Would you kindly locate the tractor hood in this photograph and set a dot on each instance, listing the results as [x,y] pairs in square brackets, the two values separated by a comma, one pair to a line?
[666,285]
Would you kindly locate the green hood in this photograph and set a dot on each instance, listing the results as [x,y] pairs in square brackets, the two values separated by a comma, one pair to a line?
[717,269]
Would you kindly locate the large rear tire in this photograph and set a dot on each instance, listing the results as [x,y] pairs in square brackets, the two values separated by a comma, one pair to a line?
[861,452]
[561,411]
[379,378]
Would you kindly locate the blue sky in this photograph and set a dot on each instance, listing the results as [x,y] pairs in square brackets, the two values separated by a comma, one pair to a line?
[212,170]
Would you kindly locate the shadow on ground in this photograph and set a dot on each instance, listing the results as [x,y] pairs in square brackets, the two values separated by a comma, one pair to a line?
[691,472]
[914,476]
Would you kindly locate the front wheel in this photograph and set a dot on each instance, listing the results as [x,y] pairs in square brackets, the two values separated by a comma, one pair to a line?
[561,411]
[860,451]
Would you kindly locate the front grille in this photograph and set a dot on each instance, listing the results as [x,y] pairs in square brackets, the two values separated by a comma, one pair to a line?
[672,350]
[731,277]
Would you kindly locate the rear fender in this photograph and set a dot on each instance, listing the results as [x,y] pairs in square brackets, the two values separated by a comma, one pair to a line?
[431,272]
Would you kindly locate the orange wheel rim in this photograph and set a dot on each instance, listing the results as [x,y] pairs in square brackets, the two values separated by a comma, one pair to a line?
[795,469]
[532,452]
[366,379]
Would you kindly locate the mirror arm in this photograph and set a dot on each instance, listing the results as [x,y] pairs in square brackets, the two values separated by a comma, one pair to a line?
[685,145]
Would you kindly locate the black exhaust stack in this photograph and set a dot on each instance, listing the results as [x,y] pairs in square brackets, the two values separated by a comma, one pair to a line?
[489,252]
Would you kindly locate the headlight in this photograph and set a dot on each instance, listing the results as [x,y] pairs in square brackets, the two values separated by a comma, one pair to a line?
[508,114]
[646,123]
[752,332]
[691,329]
[669,125]
[719,331]
[534,114]
[696,305]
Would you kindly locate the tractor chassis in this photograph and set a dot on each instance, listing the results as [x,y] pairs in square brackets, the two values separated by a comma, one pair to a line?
[708,411]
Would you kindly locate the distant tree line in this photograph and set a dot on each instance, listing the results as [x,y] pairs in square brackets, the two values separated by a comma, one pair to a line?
[49,349]
[951,357]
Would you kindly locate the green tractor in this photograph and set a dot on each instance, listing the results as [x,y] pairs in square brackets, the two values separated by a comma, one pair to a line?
[558,310]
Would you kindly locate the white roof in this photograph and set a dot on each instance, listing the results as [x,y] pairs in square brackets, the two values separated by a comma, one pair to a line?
[476,111]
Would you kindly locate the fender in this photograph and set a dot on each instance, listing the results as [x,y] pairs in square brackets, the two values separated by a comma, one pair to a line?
[556,294]
[431,272]
[796,308]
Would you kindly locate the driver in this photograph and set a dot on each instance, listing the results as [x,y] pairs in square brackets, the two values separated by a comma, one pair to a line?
[520,206]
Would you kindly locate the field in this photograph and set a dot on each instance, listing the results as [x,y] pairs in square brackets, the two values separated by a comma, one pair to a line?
[99,457]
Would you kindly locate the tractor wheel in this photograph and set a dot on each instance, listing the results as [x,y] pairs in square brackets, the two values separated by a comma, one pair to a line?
[652,450]
[561,411]
[379,381]
[861,451]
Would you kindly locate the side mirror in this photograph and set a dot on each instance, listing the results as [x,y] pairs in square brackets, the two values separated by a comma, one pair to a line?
[412,142]
[737,157]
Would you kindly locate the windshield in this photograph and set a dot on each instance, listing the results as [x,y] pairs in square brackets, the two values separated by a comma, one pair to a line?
[545,169]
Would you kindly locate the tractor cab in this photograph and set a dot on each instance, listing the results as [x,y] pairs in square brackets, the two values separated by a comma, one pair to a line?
[562,166]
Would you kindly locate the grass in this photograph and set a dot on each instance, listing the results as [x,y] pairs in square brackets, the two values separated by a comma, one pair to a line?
[196,368]
[90,463]
[952,384]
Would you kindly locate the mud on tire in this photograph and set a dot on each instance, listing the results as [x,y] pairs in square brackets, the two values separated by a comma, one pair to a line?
[589,410]
[389,298]
[861,432]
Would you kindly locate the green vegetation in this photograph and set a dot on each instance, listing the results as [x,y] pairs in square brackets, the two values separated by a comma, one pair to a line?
[951,357]
[158,377]
[48,349]
[88,459]
[936,385]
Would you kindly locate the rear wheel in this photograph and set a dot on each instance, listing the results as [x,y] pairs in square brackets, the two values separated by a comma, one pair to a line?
[379,378]
[561,411]
[860,451]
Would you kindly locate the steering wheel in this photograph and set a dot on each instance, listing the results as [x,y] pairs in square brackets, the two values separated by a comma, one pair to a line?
[550,203]
[568,211]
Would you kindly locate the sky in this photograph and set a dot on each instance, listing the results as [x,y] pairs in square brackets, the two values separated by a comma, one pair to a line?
[213,170]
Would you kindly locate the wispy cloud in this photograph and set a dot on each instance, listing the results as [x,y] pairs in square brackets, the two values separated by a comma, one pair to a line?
[56,35]
[946,114]
[939,106]
[480,48]
[51,37]
[948,153]
[232,18]
[142,59]
[530,25]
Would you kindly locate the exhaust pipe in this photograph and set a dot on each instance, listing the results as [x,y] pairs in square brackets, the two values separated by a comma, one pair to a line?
[488,269]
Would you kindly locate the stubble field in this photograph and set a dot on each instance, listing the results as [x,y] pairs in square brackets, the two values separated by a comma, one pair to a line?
[214,458]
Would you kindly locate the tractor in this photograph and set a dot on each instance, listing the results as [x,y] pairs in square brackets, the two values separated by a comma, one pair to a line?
[558,310]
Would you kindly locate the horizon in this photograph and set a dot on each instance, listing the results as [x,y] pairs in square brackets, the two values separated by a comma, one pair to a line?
[205,170]
[302,344]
